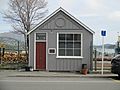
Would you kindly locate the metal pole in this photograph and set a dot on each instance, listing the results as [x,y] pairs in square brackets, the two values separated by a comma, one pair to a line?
[102,54]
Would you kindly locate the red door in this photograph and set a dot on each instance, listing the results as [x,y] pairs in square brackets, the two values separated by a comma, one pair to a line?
[41,55]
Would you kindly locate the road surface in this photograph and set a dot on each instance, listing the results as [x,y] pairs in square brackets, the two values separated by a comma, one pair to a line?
[37,83]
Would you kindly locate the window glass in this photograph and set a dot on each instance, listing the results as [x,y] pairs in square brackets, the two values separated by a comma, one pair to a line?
[62,37]
[77,37]
[40,36]
[61,44]
[69,37]
[77,52]
[69,52]
[69,44]
[61,52]
[118,57]
[77,44]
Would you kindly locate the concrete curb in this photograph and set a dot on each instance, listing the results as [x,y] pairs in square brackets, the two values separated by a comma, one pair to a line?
[67,76]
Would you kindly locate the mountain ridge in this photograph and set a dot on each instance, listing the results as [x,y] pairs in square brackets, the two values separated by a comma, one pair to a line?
[108,46]
[12,35]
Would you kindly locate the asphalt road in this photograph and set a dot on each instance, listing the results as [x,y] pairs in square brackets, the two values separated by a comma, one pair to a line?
[37,83]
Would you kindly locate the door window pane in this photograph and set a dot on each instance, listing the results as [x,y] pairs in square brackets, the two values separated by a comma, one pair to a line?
[40,36]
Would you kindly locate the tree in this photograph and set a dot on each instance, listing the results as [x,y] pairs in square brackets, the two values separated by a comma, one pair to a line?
[24,14]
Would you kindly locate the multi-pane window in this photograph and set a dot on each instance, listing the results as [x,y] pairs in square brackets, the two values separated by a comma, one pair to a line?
[69,44]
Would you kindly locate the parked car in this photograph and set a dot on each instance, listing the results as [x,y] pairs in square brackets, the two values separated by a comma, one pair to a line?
[115,68]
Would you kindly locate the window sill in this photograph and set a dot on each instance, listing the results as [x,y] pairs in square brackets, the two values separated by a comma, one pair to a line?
[69,57]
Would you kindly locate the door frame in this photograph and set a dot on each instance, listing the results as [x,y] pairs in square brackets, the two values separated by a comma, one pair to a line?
[35,49]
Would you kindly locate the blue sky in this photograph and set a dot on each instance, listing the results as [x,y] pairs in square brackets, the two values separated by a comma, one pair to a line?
[96,14]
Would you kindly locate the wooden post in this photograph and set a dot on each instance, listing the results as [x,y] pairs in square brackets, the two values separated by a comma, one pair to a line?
[18,50]
[0,56]
[95,60]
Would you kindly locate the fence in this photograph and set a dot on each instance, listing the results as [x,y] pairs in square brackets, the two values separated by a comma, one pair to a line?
[97,61]
[11,60]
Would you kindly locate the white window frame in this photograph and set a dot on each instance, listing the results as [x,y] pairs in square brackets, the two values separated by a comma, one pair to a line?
[69,56]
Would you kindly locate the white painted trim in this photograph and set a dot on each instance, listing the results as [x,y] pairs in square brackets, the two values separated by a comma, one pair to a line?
[81,45]
[40,40]
[49,50]
[29,52]
[57,43]
[35,49]
[69,57]
[46,51]
[55,12]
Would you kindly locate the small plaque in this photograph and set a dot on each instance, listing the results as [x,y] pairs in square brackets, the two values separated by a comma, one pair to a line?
[52,51]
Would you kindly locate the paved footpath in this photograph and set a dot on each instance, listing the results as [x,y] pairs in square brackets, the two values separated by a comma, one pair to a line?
[14,73]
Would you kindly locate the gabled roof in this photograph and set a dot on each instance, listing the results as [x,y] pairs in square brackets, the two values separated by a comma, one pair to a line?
[55,12]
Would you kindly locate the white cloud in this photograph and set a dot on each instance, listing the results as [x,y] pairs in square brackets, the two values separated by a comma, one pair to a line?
[5,27]
[3,4]
[93,4]
[114,16]
[67,3]
[83,7]
[89,15]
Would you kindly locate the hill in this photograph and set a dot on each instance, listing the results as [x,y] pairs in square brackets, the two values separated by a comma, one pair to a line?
[107,46]
[12,35]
